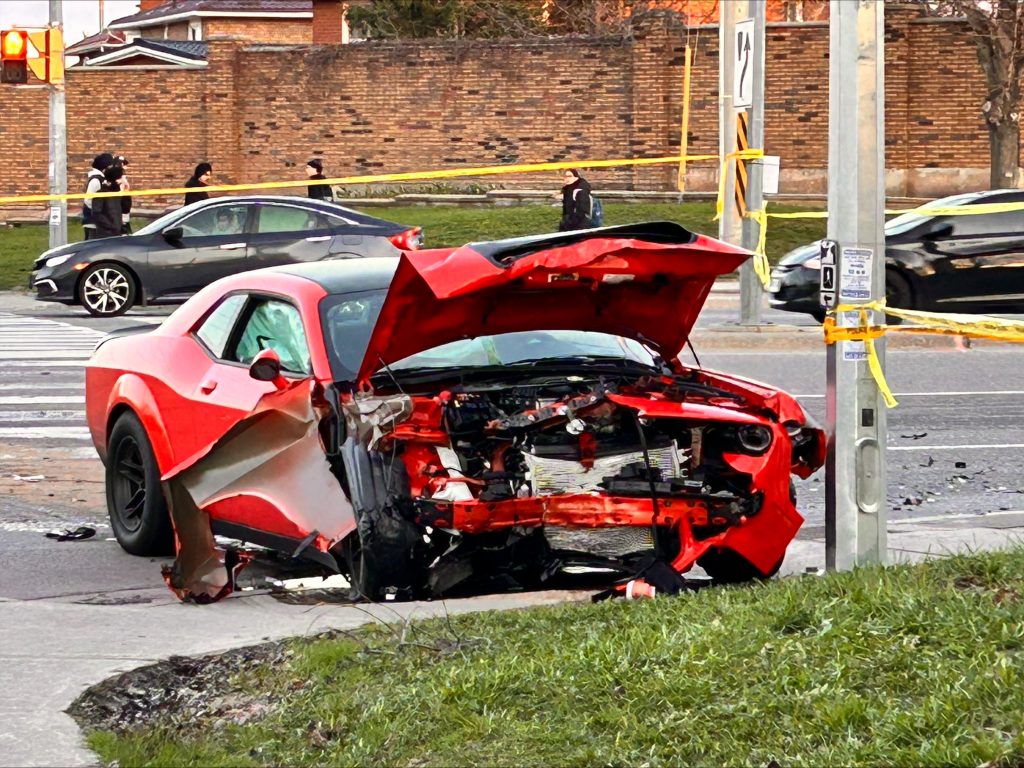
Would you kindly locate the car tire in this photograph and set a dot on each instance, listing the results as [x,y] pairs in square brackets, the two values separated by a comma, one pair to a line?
[819,315]
[898,293]
[365,585]
[107,290]
[728,567]
[135,501]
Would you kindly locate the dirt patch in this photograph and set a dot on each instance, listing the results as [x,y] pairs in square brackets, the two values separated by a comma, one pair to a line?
[181,692]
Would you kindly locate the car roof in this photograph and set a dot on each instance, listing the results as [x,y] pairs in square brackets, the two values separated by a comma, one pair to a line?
[346,275]
[324,206]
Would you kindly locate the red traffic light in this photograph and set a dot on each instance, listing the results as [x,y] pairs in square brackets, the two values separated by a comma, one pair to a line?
[14,56]
[14,44]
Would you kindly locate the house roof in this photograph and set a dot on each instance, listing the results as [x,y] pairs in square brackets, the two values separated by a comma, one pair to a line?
[183,53]
[105,39]
[181,10]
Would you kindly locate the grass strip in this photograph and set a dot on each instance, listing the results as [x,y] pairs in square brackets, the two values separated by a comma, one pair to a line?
[917,665]
[454,225]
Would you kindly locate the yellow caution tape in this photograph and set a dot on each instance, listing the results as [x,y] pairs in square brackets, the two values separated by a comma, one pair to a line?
[761,266]
[864,332]
[973,326]
[454,173]
[743,154]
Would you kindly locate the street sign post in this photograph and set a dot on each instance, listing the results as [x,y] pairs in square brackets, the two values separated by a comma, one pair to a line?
[855,499]
[749,85]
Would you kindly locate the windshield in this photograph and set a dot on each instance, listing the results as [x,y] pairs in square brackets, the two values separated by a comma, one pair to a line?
[907,221]
[348,321]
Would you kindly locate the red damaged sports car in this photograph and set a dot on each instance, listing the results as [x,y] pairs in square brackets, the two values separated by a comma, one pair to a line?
[509,410]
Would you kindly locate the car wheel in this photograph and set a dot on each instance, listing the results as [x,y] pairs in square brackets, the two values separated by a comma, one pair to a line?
[135,502]
[898,293]
[107,290]
[365,585]
[727,567]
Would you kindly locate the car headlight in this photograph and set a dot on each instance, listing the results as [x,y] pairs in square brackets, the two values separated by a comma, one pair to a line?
[54,261]
[754,438]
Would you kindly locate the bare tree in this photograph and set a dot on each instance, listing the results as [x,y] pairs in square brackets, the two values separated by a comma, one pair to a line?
[997,28]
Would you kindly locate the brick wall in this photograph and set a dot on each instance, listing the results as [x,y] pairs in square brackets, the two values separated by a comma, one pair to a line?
[258,112]
[281,31]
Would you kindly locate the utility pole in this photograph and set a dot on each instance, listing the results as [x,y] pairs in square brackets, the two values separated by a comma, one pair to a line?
[729,226]
[58,144]
[855,482]
[750,285]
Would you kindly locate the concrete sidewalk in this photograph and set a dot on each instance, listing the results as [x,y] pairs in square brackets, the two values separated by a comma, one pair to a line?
[43,670]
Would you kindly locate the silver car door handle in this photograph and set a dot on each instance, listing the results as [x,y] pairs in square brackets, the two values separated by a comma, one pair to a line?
[318,238]
[232,246]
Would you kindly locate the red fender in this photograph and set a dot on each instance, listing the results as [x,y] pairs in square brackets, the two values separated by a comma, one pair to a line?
[132,391]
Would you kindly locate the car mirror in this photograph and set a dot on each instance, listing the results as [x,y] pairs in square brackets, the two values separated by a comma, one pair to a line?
[266,366]
[173,234]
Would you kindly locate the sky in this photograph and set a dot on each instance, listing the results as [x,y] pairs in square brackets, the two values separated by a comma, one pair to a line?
[81,17]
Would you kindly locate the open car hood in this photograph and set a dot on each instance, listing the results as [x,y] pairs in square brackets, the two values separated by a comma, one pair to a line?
[643,281]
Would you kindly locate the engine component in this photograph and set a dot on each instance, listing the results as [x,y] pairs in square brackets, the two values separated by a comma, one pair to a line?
[602,542]
[550,476]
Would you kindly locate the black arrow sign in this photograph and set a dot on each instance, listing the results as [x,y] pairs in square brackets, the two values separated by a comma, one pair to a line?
[744,46]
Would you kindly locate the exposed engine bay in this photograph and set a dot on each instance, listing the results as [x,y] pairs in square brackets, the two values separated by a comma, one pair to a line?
[548,476]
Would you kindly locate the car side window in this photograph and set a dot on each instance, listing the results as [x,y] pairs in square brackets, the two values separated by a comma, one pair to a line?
[987,224]
[277,325]
[216,328]
[216,220]
[285,218]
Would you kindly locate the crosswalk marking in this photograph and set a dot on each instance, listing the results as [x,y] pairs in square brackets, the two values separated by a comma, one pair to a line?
[42,380]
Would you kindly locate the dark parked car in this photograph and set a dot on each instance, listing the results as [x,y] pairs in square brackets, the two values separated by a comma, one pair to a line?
[967,264]
[503,410]
[173,257]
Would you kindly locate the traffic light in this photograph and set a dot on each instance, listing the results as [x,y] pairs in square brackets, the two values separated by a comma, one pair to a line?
[14,56]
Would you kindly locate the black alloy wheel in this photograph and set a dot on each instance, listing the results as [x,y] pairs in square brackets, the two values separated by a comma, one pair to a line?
[135,502]
[107,290]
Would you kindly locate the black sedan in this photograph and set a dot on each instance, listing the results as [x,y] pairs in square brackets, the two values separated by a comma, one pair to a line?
[965,264]
[173,257]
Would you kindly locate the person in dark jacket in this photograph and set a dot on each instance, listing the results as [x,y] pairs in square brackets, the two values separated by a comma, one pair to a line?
[201,178]
[315,172]
[126,201]
[93,182]
[575,202]
[106,211]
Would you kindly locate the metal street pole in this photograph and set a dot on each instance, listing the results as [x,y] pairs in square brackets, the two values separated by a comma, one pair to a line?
[58,143]
[729,226]
[750,285]
[855,482]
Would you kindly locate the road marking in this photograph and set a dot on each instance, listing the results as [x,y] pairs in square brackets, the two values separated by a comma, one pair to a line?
[9,416]
[986,446]
[45,433]
[50,409]
[40,399]
[961,516]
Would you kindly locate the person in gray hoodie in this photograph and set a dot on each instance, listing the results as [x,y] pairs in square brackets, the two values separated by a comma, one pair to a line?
[93,182]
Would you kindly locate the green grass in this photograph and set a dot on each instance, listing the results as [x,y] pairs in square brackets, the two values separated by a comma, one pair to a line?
[453,225]
[901,666]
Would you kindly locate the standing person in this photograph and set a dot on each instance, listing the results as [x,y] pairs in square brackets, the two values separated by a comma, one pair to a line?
[200,178]
[575,202]
[106,211]
[93,182]
[126,201]
[315,172]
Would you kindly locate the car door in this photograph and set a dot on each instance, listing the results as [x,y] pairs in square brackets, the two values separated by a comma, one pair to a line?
[200,248]
[287,234]
[978,260]
[232,334]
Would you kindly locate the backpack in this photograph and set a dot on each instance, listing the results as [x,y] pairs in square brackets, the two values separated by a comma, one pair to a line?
[596,212]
